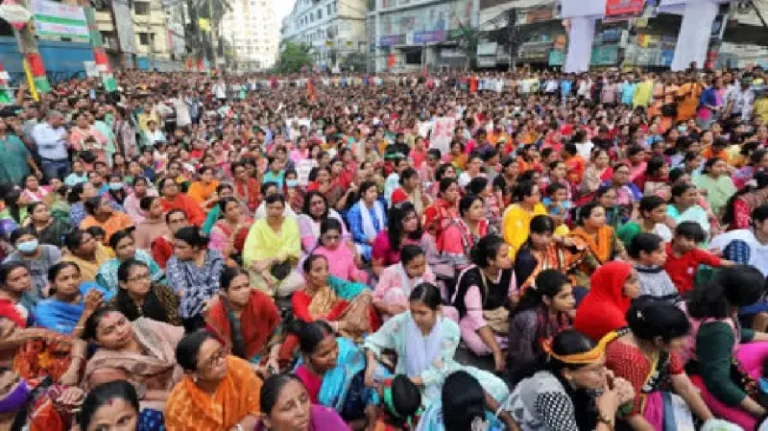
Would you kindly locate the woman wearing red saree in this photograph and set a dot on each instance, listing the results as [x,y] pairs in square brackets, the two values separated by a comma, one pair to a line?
[444,209]
[459,236]
[322,181]
[248,321]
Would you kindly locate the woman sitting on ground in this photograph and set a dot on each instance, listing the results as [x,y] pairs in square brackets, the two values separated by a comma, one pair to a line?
[141,352]
[600,243]
[71,302]
[49,229]
[248,322]
[124,246]
[86,252]
[397,281]
[543,312]
[314,212]
[333,371]
[367,218]
[425,343]
[162,246]
[485,293]
[33,352]
[459,235]
[726,360]
[218,391]
[653,218]
[101,213]
[228,234]
[272,250]
[138,297]
[657,330]
[153,225]
[347,306]
[403,227]
[39,258]
[341,254]
[115,405]
[560,395]
[193,274]
[285,405]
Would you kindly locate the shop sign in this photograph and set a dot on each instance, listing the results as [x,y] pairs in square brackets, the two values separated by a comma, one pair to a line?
[556,58]
[391,40]
[420,37]
[539,14]
[487,49]
[486,61]
[624,8]
[605,55]
[536,51]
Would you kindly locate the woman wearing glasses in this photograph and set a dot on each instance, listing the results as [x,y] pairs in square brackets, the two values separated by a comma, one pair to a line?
[218,392]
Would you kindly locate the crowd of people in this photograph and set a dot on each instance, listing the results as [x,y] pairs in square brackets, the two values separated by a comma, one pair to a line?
[576,252]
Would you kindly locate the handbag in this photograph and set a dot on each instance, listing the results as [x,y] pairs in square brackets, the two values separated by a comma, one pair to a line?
[498,320]
[281,270]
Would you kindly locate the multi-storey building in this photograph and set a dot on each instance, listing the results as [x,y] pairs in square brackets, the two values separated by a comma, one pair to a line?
[252,30]
[333,28]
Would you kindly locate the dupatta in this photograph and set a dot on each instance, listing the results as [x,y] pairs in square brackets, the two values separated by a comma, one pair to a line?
[257,325]
[338,381]
[599,246]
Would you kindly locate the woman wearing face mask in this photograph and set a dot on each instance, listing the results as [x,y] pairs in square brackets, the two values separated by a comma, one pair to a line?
[102,214]
[286,406]
[117,190]
[343,260]
[218,392]
[124,246]
[543,312]
[141,352]
[559,395]
[649,347]
[38,257]
[397,281]
[49,229]
[485,292]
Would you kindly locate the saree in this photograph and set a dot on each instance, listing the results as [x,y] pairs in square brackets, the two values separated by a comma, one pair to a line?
[531,262]
[156,368]
[88,268]
[254,332]
[355,312]
[342,388]
[238,394]
[598,250]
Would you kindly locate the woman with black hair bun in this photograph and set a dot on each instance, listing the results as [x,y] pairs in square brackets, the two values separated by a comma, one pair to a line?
[485,293]
[558,394]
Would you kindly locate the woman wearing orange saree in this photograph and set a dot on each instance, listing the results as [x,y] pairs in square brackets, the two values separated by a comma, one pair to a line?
[599,240]
[542,251]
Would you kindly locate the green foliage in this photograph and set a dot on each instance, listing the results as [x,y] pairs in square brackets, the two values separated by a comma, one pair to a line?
[354,60]
[293,57]
[468,38]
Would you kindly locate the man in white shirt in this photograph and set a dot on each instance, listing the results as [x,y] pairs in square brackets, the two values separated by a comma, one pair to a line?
[51,140]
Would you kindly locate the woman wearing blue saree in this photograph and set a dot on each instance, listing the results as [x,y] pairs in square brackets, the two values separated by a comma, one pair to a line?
[333,371]
[70,302]
[124,246]
[425,343]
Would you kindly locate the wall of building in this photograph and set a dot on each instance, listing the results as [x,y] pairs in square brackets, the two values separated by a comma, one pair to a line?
[63,60]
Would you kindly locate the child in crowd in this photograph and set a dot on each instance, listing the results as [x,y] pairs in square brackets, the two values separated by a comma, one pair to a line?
[557,203]
[647,251]
[684,256]
[400,400]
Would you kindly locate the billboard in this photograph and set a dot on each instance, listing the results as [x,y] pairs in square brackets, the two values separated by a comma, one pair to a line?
[54,19]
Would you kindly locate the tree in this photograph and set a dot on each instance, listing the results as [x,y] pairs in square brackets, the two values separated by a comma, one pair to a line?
[293,57]
[354,61]
[467,37]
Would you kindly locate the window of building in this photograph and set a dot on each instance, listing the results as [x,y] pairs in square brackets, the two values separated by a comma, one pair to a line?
[141,8]
[328,10]
[145,39]
[319,14]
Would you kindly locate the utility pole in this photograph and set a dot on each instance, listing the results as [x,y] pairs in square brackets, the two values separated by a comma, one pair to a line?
[512,37]
[214,35]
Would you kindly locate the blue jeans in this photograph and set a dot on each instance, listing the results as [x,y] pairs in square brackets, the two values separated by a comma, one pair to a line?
[56,169]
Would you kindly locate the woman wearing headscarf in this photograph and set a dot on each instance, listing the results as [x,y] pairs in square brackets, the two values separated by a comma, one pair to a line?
[603,310]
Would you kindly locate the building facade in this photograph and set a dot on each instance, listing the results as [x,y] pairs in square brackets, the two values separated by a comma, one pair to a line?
[333,29]
[252,31]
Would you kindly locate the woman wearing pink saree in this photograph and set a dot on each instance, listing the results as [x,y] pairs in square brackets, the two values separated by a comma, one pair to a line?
[397,281]
[343,260]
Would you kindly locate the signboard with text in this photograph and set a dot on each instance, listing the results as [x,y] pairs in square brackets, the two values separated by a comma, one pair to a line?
[623,8]
[60,20]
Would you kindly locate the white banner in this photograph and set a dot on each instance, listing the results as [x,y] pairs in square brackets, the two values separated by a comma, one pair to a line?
[60,20]
[442,134]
